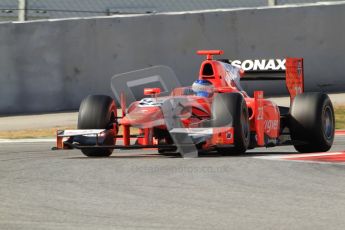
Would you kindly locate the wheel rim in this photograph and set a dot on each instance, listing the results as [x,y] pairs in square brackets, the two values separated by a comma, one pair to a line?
[327,122]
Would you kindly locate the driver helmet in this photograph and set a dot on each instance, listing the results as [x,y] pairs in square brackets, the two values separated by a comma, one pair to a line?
[203,88]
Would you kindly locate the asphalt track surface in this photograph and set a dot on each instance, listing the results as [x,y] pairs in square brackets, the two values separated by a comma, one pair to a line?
[44,189]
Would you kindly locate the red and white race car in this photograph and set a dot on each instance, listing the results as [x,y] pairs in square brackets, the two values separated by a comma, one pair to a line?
[214,114]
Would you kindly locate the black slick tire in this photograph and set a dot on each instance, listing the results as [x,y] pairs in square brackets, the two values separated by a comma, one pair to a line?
[231,108]
[97,112]
[312,122]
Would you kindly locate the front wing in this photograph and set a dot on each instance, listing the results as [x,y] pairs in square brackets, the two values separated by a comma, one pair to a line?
[184,139]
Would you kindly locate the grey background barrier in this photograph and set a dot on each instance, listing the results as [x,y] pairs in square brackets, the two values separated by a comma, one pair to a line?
[51,65]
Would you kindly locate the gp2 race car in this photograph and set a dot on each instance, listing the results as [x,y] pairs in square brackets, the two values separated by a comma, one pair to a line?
[215,114]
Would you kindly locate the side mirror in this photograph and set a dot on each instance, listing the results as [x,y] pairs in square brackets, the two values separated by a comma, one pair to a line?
[152,91]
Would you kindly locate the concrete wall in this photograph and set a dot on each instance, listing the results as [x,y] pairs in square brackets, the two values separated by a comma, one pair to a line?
[52,65]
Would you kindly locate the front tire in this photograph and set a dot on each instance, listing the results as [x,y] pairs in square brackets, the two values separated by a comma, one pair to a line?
[98,112]
[312,122]
[231,109]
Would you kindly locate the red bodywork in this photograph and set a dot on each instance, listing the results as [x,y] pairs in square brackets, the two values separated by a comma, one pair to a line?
[264,115]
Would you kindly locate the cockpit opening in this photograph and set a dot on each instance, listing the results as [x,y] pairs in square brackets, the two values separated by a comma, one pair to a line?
[208,70]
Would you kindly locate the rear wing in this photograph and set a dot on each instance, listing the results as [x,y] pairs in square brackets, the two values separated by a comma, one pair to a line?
[289,69]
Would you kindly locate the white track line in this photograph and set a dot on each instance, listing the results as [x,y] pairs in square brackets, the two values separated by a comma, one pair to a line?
[302,161]
[289,156]
[313,155]
[299,158]
[33,140]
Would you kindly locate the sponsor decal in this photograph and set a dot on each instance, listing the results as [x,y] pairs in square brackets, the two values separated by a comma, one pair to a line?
[271,125]
[260,114]
[260,65]
[150,102]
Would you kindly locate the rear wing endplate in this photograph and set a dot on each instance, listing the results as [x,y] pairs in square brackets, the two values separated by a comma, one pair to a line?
[294,77]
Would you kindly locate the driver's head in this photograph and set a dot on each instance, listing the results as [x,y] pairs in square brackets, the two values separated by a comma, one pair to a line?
[203,88]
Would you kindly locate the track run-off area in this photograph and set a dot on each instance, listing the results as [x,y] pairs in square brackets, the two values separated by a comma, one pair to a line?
[274,188]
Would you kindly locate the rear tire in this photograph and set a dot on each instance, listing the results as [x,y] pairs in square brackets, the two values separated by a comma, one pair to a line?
[97,112]
[312,122]
[231,109]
